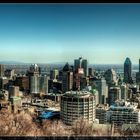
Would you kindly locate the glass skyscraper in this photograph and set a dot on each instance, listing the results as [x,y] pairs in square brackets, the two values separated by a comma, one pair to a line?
[127,71]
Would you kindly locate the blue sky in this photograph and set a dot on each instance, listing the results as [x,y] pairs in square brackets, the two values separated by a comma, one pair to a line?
[42,33]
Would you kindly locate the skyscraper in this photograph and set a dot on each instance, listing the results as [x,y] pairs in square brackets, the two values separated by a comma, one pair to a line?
[138,75]
[110,77]
[114,94]
[80,63]
[43,87]
[84,66]
[34,78]
[67,78]
[127,71]
[54,74]
[1,70]
[101,86]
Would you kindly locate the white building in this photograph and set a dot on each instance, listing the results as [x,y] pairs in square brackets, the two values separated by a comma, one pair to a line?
[123,114]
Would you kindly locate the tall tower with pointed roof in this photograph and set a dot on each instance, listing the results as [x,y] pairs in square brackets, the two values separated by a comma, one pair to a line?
[127,71]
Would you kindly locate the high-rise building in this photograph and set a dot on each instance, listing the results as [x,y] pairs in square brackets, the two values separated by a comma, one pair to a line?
[54,74]
[4,83]
[81,63]
[127,71]
[124,91]
[13,91]
[102,88]
[114,95]
[22,82]
[110,77]
[34,84]
[43,84]
[9,73]
[84,66]
[34,70]
[77,63]
[1,70]
[76,105]
[91,72]
[34,79]
[138,75]
[67,78]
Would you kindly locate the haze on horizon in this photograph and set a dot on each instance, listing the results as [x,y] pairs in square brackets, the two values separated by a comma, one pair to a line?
[42,33]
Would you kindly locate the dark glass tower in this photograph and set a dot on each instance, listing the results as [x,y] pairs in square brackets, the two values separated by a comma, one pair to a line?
[81,63]
[138,74]
[127,71]
[67,78]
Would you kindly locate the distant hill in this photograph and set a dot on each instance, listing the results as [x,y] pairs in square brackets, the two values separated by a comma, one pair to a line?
[11,62]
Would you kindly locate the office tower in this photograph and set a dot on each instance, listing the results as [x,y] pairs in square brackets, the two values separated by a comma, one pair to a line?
[54,86]
[43,87]
[34,79]
[90,72]
[77,64]
[13,91]
[34,70]
[4,83]
[76,105]
[114,95]
[84,66]
[54,74]
[9,73]
[76,81]
[34,84]
[1,70]
[110,77]
[101,86]
[124,91]
[127,71]
[67,78]
[84,82]
[138,75]
[96,94]
[80,63]
[22,82]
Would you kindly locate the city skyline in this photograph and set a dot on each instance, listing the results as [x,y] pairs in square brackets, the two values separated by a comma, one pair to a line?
[44,33]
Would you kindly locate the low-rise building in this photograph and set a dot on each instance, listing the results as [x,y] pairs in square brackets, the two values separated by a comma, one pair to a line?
[101,110]
[123,114]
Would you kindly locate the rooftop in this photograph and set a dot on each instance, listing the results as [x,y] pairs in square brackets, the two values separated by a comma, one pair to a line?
[78,94]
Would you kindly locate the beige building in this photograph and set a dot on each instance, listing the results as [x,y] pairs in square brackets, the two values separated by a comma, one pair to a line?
[101,110]
[75,105]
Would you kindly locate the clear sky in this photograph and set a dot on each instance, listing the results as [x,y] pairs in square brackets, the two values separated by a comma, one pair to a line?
[42,33]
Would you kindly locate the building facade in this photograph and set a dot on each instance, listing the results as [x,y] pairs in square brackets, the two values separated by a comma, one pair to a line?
[123,114]
[114,94]
[127,71]
[76,105]
[67,78]
[110,77]
[102,88]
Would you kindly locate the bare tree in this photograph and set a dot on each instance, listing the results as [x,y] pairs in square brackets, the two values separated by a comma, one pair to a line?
[17,125]
[53,127]
[82,127]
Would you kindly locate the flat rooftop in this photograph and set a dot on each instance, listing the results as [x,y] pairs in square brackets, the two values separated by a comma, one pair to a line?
[77,94]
